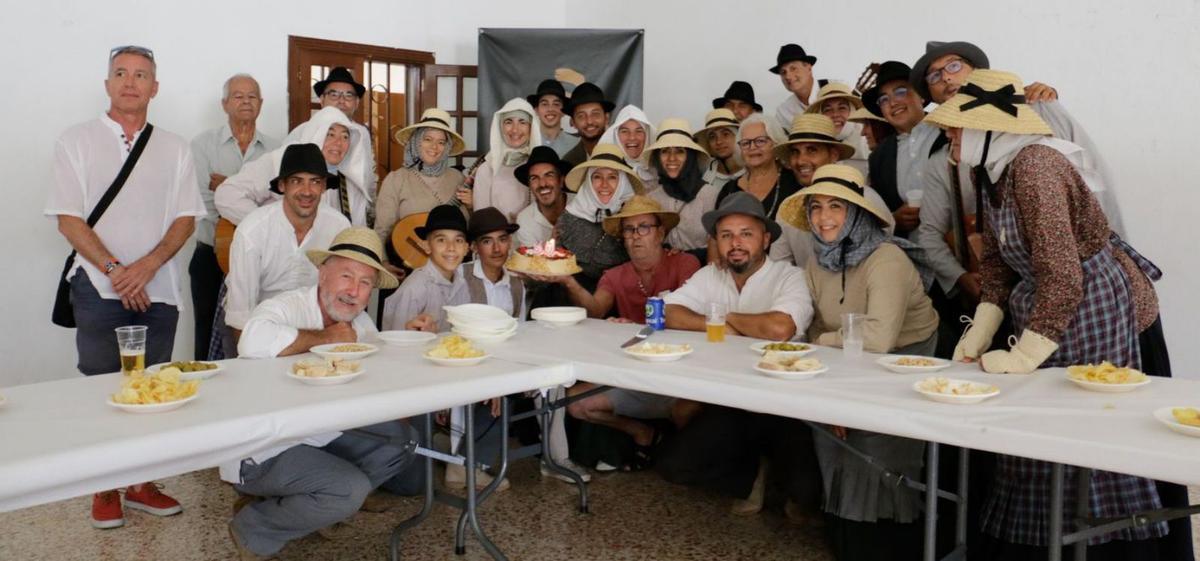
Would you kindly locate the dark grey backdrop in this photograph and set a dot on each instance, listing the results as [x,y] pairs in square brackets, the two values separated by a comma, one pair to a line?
[513,61]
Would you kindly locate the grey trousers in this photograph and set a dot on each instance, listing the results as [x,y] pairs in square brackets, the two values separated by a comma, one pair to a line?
[309,488]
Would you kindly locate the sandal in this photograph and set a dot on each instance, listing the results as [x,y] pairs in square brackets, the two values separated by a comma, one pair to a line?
[643,456]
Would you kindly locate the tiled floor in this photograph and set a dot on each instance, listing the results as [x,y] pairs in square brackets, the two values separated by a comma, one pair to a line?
[634,517]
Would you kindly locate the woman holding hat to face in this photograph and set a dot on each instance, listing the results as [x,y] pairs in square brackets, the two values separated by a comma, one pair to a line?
[679,164]
[1076,293]
[602,184]
[514,134]
[859,268]
[718,139]
[837,101]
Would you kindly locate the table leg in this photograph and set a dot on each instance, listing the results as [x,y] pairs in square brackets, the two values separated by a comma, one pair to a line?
[960,525]
[931,501]
[1083,481]
[427,505]
[547,418]
[1056,513]
[471,513]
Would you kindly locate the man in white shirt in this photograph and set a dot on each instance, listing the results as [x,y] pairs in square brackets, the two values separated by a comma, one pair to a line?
[322,479]
[220,153]
[268,252]
[125,271]
[543,172]
[340,90]
[794,67]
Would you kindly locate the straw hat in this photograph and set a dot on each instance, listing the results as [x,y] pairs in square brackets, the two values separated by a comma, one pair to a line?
[361,245]
[807,127]
[834,90]
[861,114]
[990,100]
[435,119]
[604,155]
[835,180]
[637,206]
[676,132]
[715,119]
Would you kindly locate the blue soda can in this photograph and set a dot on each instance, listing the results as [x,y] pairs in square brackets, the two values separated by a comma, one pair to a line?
[656,315]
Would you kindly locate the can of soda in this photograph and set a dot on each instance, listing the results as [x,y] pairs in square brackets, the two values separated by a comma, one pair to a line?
[656,315]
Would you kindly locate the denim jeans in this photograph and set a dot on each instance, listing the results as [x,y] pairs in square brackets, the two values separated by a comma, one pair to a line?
[98,318]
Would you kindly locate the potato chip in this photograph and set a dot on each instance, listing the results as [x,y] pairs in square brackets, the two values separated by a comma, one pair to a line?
[163,386]
[454,347]
[1105,373]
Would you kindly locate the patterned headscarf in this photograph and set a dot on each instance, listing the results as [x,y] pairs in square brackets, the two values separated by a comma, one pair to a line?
[861,235]
[412,153]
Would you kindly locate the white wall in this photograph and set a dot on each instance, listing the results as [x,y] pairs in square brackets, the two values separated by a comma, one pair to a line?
[1096,55]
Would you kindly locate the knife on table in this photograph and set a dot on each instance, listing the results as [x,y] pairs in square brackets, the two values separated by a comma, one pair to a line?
[641,336]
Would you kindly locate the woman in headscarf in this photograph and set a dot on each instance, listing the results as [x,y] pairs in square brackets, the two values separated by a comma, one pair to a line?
[513,136]
[602,184]
[426,180]
[1077,294]
[632,132]
[837,101]
[857,267]
[679,164]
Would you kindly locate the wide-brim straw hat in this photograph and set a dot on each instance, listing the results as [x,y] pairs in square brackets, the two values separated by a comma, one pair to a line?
[834,180]
[361,245]
[604,155]
[676,132]
[715,119]
[834,90]
[862,114]
[637,206]
[990,100]
[434,119]
[809,127]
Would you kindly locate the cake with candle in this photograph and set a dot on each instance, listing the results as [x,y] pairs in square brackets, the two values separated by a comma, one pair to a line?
[543,259]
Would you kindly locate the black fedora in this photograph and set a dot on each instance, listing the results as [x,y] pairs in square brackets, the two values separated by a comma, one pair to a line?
[588,92]
[303,158]
[442,217]
[548,87]
[937,49]
[339,74]
[541,155]
[486,221]
[741,91]
[790,52]
[889,71]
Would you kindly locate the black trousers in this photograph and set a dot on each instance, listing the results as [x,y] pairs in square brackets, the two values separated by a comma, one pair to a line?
[206,278]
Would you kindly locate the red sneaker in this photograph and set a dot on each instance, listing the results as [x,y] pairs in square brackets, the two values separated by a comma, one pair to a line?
[106,510]
[150,499]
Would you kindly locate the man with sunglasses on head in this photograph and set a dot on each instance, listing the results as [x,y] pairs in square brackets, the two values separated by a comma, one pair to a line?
[125,272]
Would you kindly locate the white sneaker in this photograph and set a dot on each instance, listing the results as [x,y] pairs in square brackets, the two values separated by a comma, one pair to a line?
[569,465]
[456,478]
[605,467]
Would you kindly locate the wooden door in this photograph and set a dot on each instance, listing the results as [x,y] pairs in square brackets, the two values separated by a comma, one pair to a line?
[454,89]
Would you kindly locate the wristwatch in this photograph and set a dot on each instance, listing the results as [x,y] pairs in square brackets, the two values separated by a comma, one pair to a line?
[110,266]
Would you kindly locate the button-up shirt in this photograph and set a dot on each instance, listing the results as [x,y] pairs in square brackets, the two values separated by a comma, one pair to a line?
[774,287]
[217,151]
[562,143]
[424,291]
[499,293]
[535,228]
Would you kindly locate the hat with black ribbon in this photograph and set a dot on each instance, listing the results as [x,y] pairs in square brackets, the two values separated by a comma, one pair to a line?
[442,217]
[609,156]
[834,180]
[715,119]
[739,91]
[588,92]
[339,74]
[676,132]
[990,100]
[303,158]
[548,87]
[835,90]
[541,155]
[789,53]
[807,127]
[361,245]
[433,118]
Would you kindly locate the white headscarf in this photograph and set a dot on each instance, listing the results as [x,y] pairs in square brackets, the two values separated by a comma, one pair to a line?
[499,151]
[1005,146]
[587,205]
[640,164]
[353,164]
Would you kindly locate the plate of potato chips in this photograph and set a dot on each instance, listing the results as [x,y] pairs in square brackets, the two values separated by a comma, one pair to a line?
[1183,420]
[154,392]
[455,351]
[1106,377]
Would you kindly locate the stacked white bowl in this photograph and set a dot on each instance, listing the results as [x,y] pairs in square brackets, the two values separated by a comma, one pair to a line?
[559,316]
[480,323]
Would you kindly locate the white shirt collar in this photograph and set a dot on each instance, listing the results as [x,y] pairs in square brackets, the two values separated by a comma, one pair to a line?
[477,270]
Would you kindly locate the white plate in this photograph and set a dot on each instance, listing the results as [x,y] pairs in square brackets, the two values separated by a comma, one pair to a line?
[198,375]
[1164,416]
[471,313]
[662,357]
[325,380]
[406,338]
[559,316]
[478,332]
[955,399]
[325,351]
[761,348]
[790,375]
[484,339]
[153,407]
[1108,388]
[456,361]
[889,362]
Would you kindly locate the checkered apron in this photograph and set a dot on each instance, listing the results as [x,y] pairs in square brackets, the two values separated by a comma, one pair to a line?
[216,343]
[1104,328]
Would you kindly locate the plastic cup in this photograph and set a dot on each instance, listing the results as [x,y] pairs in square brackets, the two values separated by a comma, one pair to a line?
[914,198]
[131,342]
[714,323]
[852,335]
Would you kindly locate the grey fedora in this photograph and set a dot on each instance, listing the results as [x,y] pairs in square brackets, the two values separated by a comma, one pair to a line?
[740,203]
[937,49]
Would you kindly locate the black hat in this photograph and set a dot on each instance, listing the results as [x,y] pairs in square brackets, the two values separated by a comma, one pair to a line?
[541,155]
[486,221]
[548,87]
[790,52]
[740,202]
[889,71]
[588,92]
[442,217]
[741,91]
[303,158]
[937,49]
[339,74]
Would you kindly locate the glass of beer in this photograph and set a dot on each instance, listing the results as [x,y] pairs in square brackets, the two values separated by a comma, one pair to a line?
[131,340]
[714,323]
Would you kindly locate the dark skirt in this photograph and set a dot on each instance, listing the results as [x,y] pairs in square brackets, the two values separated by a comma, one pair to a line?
[883,540]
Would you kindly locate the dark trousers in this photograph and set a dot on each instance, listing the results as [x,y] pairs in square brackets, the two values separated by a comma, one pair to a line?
[206,283]
[98,318]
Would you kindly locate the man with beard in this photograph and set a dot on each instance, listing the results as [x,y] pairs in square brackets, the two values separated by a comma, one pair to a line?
[543,173]
[589,112]
[548,102]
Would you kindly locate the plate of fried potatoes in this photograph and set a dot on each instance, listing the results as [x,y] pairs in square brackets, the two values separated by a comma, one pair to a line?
[157,392]
[325,371]
[912,364]
[190,369]
[454,350]
[1183,420]
[1106,377]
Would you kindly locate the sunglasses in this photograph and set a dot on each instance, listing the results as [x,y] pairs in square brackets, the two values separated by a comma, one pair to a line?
[130,49]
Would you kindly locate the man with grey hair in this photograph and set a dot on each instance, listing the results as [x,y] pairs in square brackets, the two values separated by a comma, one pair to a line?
[220,153]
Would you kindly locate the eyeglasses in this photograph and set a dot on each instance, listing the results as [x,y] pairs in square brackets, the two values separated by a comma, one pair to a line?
[757,142]
[131,49]
[641,230]
[897,95]
[952,67]
[335,95]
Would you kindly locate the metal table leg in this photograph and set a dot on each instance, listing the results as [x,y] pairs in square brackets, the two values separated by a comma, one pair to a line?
[1056,513]
[1083,483]
[471,514]
[546,417]
[427,505]
[931,501]
[960,524]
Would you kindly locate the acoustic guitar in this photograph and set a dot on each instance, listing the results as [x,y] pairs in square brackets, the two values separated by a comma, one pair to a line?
[222,241]
[405,242]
